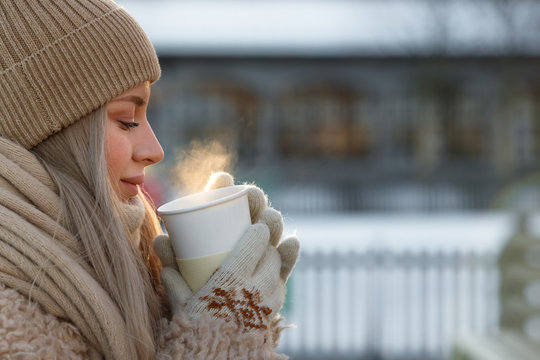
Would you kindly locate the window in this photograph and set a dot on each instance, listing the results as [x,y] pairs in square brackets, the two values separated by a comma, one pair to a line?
[320,122]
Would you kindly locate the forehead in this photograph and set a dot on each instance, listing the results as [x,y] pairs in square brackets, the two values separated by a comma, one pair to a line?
[141,91]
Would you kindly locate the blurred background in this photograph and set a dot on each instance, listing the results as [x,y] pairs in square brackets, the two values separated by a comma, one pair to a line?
[401,141]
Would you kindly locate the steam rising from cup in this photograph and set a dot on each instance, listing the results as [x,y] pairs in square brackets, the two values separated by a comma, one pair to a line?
[195,165]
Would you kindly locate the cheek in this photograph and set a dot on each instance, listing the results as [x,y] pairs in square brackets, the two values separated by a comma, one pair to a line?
[117,154]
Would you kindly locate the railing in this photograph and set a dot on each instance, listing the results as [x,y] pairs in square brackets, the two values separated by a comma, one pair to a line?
[387,304]
[315,199]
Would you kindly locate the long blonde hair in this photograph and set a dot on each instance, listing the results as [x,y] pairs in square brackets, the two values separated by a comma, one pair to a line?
[75,159]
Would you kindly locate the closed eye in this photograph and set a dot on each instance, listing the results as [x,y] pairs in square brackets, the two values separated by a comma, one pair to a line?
[129,125]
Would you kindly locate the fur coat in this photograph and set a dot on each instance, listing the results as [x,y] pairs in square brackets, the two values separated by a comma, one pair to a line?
[28,332]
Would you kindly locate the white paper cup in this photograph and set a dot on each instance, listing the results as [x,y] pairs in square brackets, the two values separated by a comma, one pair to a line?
[203,229]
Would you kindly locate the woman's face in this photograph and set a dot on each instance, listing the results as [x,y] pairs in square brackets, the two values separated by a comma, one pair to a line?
[130,142]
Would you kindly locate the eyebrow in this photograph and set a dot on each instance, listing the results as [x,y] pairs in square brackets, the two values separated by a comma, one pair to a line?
[137,100]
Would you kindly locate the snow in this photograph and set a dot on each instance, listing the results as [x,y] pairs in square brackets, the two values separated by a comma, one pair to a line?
[456,231]
[335,26]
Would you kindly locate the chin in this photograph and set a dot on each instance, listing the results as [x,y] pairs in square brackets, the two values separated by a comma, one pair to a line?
[128,190]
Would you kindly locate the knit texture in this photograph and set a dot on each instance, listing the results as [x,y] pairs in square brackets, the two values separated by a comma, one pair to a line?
[62,59]
[42,260]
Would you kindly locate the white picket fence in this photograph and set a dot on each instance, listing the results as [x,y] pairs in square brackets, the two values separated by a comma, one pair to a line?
[388,304]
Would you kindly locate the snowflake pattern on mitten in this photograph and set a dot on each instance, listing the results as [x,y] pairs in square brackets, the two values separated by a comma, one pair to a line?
[245,307]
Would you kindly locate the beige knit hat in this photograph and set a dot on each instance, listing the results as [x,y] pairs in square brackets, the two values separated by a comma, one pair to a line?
[62,59]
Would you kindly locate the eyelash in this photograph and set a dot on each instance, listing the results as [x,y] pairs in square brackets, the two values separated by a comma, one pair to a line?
[129,125]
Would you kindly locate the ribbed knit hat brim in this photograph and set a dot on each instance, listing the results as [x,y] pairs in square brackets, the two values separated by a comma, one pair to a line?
[62,59]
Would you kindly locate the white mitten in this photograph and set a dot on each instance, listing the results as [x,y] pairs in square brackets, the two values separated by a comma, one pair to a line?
[249,287]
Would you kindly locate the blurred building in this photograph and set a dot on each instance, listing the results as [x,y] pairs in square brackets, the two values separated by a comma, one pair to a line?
[355,105]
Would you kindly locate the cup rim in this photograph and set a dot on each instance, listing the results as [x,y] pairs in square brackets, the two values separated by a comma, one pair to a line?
[242,190]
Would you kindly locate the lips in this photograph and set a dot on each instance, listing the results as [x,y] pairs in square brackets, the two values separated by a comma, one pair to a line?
[135,180]
[130,186]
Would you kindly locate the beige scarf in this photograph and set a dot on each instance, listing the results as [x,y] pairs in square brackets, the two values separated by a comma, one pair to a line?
[41,259]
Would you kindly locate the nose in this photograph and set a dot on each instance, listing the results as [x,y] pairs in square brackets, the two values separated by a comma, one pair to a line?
[148,149]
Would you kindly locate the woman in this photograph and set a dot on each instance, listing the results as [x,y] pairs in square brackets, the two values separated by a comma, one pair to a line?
[80,275]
